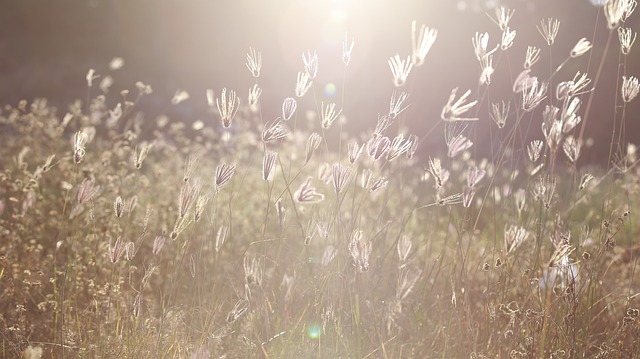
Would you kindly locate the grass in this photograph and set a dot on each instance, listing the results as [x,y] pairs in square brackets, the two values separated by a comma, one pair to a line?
[135,237]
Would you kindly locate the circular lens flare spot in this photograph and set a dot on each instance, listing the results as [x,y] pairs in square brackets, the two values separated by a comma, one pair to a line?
[330,89]
[313,331]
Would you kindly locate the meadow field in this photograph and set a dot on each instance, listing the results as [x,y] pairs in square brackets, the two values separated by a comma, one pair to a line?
[252,234]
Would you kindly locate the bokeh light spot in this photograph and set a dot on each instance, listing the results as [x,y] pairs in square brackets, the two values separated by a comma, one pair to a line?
[313,331]
[330,89]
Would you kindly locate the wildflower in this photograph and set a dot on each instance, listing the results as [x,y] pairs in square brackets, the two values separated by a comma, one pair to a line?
[312,145]
[630,88]
[79,140]
[268,165]
[254,62]
[514,237]
[499,113]
[396,104]
[179,96]
[532,96]
[627,37]
[480,43]
[329,115]
[274,130]
[346,50]
[227,107]
[571,147]
[617,11]
[224,172]
[452,111]
[378,146]
[549,29]
[580,48]
[289,106]
[341,176]
[307,194]
[398,146]
[360,250]
[311,64]
[503,16]
[532,56]
[354,150]
[303,83]
[422,43]
[508,36]
[254,95]
[400,69]
[118,207]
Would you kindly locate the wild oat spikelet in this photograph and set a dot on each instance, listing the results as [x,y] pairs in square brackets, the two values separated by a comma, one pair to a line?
[346,50]
[627,37]
[254,62]
[581,48]
[452,110]
[307,194]
[341,176]
[254,96]
[500,113]
[548,28]
[289,106]
[630,88]
[422,43]
[503,16]
[269,165]
[329,115]
[274,130]
[303,83]
[311,64]
[79,140]
[514,236]
[532,56]
[360,250]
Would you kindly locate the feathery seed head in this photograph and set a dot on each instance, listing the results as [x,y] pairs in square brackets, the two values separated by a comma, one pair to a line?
[341,176]
[400,69]
[224,172]
[329,115]
[627,37]
[254,96]
[274,130]
[500,112]
[227,106]
[346,50]
[289,106]
[269,165]
[254,62]
[571,147]
[531,57]
[534,149]
[452,110]
[398,146]
[630,88]
[617,11]
[514,237]
[118,206]
[354,150]
[581,47]
[422,43]
[508,36]
[307,194]
[312,145]
[396,104]
[533,96]
[303,83]
[378,146]
[79,140]
[310,64]
[503,16]
[548,28]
